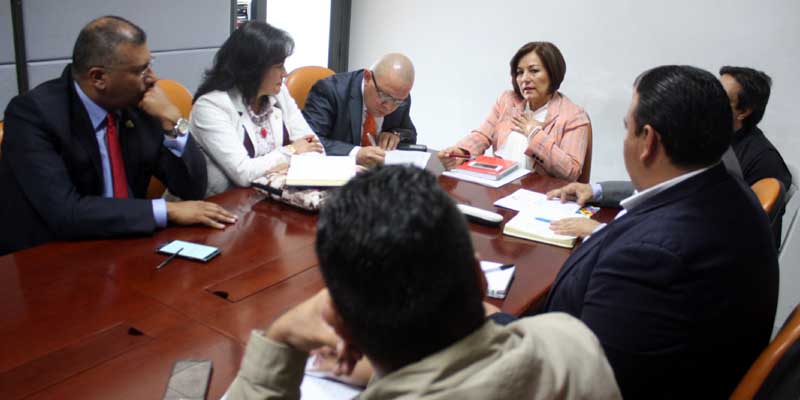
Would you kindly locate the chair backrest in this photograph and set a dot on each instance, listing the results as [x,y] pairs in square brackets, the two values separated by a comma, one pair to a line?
[764,366]
[178,95]
[182,98]
[768,190]
[300,81]
[1,138]
[587,161]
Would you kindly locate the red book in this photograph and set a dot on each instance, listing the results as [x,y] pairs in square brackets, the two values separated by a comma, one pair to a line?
[486,167]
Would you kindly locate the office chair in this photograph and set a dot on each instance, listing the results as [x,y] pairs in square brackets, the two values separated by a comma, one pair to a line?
[587,161]
[1,138]
[768,191]
[300,81]
[776,372]
[182,98]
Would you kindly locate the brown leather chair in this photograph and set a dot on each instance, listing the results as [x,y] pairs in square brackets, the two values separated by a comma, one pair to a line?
[300,81]
[768,191]
[775,371]
[182,98]
[587,161]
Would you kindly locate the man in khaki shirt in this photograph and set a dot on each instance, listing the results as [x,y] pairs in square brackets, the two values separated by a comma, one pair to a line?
[404,289]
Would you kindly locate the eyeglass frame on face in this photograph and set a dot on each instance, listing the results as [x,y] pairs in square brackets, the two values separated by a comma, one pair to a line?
[143,70]
[385,97]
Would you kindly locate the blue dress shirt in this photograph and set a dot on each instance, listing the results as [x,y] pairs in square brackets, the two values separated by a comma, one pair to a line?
[97,115]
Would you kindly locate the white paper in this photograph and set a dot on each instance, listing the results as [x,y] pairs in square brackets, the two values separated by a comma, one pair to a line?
[335,169]
[539,205]
[418,159]
[497,280]
[314,387]
[516,174]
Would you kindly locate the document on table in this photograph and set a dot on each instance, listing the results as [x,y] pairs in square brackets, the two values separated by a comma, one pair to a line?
[316,387]
[535,214]
[518,173]
[498,280]
[312,170]
[418,159]
[524,199]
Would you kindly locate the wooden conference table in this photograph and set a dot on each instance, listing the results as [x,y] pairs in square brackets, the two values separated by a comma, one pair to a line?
[96,320]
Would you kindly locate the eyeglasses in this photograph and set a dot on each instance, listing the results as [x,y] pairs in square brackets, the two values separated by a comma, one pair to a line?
[384,97]
[141,70]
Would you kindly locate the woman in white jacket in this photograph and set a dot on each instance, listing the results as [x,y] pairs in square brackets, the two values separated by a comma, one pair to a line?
[243,117]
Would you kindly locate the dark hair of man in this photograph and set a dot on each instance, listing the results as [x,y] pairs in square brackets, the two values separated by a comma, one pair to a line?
[398,260]
[99,40]
[244,57]
[754,93]
[551,58]
[689,109]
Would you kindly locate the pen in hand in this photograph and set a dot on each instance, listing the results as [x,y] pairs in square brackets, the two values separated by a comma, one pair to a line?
[371,139]
[500,268]
[163,263]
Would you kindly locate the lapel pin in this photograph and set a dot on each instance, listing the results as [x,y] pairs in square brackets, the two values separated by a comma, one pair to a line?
[129,124]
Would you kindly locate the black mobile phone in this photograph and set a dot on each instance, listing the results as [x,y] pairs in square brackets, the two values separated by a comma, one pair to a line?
[189,380]
[481,165]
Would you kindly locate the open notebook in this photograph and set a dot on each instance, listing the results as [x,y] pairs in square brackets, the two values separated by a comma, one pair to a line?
[534,217]
[320,170]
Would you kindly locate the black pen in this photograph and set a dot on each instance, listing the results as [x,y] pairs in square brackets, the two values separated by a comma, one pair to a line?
[163,263]
[500,268]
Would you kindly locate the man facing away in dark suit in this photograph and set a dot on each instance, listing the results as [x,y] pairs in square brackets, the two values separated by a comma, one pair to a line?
[79,150]
[365,112]
[681,290]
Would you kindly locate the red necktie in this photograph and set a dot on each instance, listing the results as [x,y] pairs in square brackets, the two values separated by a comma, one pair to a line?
[115,157]
[368,128]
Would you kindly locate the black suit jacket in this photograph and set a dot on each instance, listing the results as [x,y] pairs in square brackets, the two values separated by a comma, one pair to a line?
[681,291]
[52,177]
[334,111]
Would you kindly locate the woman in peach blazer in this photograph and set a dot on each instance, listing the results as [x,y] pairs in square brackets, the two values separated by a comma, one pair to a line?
[534,123]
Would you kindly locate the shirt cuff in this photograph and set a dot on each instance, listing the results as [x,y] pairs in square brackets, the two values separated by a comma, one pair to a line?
[160,212]
[177,145]
[597,192]
[354,151]
[270,367]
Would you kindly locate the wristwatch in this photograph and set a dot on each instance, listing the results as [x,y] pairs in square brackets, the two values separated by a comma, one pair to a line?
[181,128]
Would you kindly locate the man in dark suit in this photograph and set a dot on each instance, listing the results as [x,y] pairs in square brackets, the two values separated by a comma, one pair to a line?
[79,151]
[365,112]
[681,290]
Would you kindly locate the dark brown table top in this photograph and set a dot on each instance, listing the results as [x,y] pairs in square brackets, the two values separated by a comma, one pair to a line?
[95,319]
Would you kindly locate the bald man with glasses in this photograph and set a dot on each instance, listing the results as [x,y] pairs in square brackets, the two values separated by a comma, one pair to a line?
[366,112]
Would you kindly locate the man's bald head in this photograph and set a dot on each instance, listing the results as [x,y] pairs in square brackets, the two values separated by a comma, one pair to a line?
[99,40]
[395,67]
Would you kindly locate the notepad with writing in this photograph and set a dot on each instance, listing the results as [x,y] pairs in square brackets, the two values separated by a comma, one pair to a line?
[497,280]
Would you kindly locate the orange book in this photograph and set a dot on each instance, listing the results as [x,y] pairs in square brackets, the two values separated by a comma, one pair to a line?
[486,167]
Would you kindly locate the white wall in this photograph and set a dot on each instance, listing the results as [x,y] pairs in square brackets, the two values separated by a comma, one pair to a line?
[309,24]
[461,51]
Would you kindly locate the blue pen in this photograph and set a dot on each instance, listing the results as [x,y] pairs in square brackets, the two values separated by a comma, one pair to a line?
[543,219]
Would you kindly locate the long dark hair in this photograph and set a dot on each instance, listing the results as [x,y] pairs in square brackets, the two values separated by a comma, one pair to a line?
[241,61]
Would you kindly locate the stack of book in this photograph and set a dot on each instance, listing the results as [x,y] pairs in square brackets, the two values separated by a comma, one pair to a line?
[487,167]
